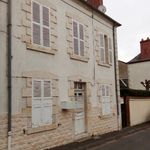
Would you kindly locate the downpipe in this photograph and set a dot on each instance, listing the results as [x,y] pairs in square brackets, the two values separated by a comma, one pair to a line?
[9,71]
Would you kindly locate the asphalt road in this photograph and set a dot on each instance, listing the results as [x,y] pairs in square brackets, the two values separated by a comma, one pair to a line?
[136,141]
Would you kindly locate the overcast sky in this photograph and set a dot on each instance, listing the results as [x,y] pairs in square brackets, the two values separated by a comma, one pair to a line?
[134,15]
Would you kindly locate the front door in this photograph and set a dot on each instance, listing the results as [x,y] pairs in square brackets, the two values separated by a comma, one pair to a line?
[79,93]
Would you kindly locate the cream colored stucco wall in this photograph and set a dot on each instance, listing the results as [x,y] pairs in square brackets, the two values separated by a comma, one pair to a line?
[60,63]
[3,45]
[138,72]
[139,111]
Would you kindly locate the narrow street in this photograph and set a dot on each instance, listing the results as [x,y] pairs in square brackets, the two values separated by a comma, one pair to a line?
[136,141]
[131,138]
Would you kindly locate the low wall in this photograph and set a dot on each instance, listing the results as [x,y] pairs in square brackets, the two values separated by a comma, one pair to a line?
[139,110]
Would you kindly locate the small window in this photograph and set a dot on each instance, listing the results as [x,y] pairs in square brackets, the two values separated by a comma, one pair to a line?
[41,103]
[78,38]
[104,49]
[40,25]
[106,104]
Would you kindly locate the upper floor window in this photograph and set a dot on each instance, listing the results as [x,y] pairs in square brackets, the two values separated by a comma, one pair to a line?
[78,38]
[40,24]
[105,49]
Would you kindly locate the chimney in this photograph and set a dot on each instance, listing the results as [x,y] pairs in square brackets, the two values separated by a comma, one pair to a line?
[95,3]
[145,49]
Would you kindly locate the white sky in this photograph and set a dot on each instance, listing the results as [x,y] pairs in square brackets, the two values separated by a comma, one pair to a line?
[134,15]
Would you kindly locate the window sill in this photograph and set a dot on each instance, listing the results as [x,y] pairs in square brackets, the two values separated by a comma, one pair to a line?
[107,116]
[40,129]
[42,49]
[105,65]
[79,58]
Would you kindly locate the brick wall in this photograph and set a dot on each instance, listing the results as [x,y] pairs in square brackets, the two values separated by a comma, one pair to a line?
[145,49]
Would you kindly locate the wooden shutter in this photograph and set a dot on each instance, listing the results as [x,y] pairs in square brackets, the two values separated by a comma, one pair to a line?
[110,51]
[81,31]
[75,39]
[106,107]
[102,48]
[36,12]
[36,31]
[106,49]
[46,27]
[36,104]
[47,103]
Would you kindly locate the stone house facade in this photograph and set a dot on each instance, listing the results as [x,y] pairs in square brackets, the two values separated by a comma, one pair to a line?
[64,73]
[139,66]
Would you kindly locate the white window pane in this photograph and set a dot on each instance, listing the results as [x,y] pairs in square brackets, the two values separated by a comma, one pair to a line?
[45,16]
[81,48]
[36,12]
[76,46]
[81,31]
[75,29]
[36,88]
[36,34]
[46,37]
[47,89]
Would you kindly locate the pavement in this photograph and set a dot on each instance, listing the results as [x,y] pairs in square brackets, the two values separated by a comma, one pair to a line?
[131,138]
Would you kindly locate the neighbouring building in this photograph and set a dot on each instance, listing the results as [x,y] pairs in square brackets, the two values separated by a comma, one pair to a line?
[123,74]
[138,67]
[58,72]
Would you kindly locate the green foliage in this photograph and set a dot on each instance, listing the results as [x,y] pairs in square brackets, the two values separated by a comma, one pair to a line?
[132,92]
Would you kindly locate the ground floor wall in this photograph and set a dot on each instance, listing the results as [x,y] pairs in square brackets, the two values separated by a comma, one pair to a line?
[62,134]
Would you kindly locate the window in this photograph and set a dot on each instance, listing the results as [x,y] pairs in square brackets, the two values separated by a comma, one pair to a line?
[40,24]
[110,51]
[105,49]
[78,38]
[41,103]
[105,93]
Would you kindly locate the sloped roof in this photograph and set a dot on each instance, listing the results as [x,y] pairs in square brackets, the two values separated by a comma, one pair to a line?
[98,11]
[137,59]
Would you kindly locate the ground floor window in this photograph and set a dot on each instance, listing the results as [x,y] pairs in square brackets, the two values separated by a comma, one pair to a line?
[41,103]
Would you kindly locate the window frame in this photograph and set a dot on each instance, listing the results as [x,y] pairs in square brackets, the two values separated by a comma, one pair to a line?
[42,99]
[40,24]
[104,97]
[79,39]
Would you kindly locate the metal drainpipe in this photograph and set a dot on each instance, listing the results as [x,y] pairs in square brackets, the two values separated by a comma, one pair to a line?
[116,87]
[9,73]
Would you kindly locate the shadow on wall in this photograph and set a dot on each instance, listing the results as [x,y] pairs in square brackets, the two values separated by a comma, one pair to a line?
[148,117]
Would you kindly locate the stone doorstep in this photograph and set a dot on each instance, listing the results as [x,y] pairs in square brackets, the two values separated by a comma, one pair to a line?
[102,139]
